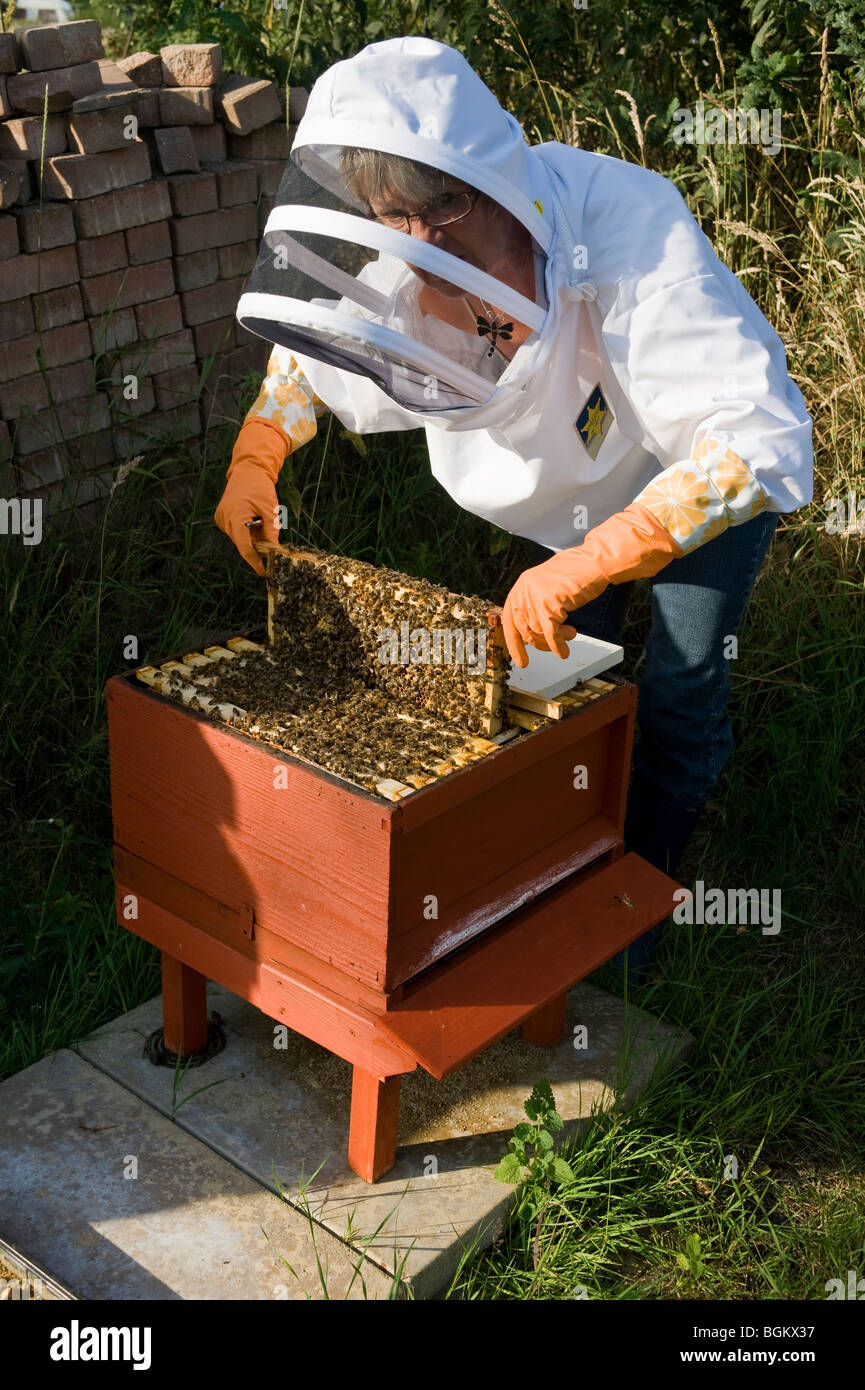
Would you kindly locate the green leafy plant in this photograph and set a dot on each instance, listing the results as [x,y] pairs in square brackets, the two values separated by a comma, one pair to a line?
[544,1165]
[691,1258]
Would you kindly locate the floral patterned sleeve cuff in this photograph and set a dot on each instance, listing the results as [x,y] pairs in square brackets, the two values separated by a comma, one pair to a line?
[698,498]
[287,400]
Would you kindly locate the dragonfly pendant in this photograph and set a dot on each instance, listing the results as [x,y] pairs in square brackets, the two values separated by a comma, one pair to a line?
[496,331]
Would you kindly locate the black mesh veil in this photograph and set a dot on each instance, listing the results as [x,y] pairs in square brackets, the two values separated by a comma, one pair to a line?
[333,284]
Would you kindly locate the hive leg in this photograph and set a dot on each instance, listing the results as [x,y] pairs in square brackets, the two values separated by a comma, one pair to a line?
[544,1028]
[372,1133]
[184,1007]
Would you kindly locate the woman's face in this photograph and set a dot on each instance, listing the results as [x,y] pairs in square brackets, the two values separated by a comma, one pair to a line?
[488,238]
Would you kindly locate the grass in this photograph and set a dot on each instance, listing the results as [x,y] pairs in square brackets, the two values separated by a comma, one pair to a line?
[776,1080]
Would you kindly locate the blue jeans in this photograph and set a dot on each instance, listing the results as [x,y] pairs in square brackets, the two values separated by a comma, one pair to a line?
[685,733]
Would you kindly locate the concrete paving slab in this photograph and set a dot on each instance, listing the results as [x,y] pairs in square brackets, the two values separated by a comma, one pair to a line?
[280,1113]
[119,1203]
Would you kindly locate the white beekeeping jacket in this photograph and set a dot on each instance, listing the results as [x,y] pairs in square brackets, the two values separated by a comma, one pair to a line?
[652,376]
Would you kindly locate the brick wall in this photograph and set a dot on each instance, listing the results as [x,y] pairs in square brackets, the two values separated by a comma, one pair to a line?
[157,175]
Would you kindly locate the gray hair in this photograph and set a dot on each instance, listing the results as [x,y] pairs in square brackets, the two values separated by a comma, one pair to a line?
[367,172]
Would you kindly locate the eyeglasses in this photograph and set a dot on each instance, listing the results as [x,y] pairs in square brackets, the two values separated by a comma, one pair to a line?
[451,208]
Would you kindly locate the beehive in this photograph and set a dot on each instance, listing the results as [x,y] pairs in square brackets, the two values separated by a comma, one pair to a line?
[352,904]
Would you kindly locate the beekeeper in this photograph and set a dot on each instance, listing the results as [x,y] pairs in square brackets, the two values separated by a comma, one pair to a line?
[588,373]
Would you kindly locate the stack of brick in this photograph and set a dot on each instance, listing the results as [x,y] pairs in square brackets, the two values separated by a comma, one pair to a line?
[130,216]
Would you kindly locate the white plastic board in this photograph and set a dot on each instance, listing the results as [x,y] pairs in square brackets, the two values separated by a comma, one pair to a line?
[549,675]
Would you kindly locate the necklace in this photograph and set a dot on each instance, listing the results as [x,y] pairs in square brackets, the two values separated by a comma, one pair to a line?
[493,326]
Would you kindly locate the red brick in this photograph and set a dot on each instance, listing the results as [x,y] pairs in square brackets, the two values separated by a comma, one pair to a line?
[158,428]
[176,388]
[54,308]
[99,254]
[26,91]
[8,478]
[197,269]
[175,150]
[236,182]
[122,406]
[237,260]
[151,242]
[209,141]
[186,106]
[50,465]
[269,174]
[113,330]
[16,318]
[89,175]
[213,229]
[14,182]
[78,417]
[148,110]
[27,394]
[114,89]
[9,243]
[56,45]
[214,336]
[246,104]
[266,204]
[21,138]
[81,40]
[298,99]
[128,207]
[92,132]
[193,194]
[10,52]
[160,318]
[82,495]
[166,354]
[144,69]
[41,47]
[137,285]
[22,274]
[191,64]
[270,142]
[244,338]
[225,393]
[45,227]
[211,302]
[68,344]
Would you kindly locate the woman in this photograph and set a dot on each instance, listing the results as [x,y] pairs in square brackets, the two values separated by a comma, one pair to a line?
[588,373]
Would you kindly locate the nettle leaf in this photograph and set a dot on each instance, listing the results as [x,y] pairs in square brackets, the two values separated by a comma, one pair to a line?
[524,1133]
[509,1170]
[543,1093]
[544,1140]
[554,1121]
[562,1171]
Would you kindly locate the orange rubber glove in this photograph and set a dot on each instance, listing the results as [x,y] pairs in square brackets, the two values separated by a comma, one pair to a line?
[259,453]
[629,545]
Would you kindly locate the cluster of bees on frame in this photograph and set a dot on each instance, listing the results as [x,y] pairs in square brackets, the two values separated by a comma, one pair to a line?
[321,691]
